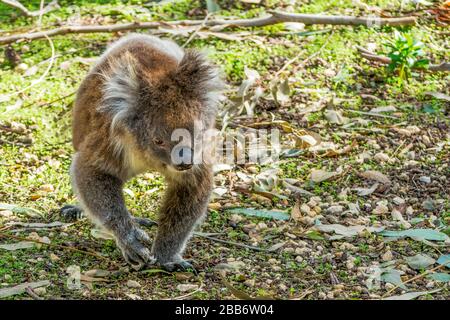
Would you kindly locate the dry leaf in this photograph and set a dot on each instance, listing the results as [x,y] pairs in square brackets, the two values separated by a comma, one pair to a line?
[376,176]
[321,175]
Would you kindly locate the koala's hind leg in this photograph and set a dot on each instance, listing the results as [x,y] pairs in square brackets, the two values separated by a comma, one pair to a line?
[185,203]
[72,212]
[101,196]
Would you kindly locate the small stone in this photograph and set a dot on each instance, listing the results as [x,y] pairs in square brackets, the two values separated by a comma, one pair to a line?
[6,213]
[261,226]
[236,218]
[133,284]
[282,287]
[273,261]
[54,257]
[214,206]
[45,240]
[335,209]
[389,286]
[387,256]
[250,283]
[305,209]
[299,259]
[7,277]
[317,209]
[311,203]
[398,201]
[40,291]
[232,265]
[425,179]
[381,157]
[380,209]
[187,287]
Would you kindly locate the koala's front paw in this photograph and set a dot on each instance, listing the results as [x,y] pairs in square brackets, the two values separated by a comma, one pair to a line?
[71,212]
[133,246]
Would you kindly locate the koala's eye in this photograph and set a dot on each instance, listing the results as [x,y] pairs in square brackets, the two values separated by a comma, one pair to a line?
[158,142]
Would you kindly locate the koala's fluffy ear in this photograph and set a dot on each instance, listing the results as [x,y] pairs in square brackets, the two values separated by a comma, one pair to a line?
[121,88]
[196,74]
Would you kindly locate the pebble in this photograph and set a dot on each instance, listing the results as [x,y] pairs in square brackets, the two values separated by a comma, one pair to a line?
[54,257]
[282,287]
[273,261]
[387,256]
[335,209]
[6,213]
[305,209]
[380,209]
[250,283]
[299,259]
[425,179]
[133,284]
[40,291]
[398,200]
[187,287]
[381,157]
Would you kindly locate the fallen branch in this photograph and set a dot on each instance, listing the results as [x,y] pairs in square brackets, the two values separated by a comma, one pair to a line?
[275,17]
[420,276]
[443,67]
[17,5]
[237,244]
[94,254]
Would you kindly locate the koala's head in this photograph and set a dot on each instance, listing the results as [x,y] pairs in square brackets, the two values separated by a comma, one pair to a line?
[165,108]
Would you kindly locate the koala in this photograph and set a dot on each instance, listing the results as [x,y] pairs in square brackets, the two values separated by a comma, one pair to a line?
[140,91]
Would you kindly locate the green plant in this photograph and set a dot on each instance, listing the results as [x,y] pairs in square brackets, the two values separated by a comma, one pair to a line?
[405,53]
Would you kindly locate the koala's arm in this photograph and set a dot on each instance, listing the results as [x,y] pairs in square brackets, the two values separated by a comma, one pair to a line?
[101,196]
[184,206]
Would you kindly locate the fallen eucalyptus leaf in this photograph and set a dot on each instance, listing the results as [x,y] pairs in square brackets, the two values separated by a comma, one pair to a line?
[270,214]
[439,276]
[444,260]
[420,261]
[321,175]
[417,234]
[411,295]
[17,246]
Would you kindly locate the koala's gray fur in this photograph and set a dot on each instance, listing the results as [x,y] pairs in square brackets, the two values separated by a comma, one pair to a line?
[142,89]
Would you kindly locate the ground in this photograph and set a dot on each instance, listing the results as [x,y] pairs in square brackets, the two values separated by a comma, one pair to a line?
[334,94]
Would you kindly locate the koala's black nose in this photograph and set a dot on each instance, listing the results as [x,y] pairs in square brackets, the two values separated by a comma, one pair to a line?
[183,158]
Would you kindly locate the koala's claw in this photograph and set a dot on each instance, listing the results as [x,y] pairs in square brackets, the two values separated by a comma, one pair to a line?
[134,250]
[182,265]
[71,212]
[144,222]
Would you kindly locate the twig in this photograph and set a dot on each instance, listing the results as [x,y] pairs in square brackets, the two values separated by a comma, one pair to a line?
[274,18]
[51,102]
[304,61]
[4,235]
[237,244]
[444,66]
[196,30]
[372,114]
[17,5]
[416,277]
[33,294]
